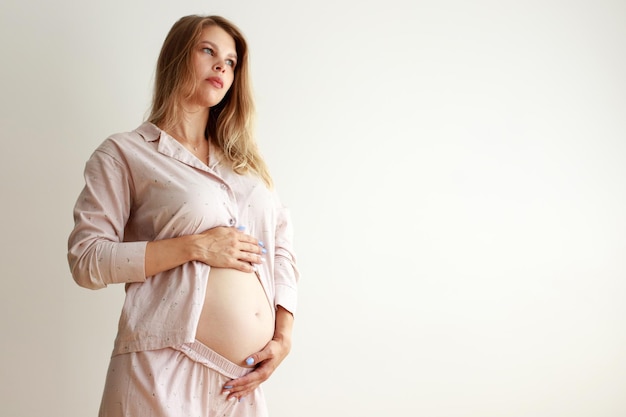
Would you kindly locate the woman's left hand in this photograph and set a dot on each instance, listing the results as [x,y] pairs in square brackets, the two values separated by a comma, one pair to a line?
[266,360]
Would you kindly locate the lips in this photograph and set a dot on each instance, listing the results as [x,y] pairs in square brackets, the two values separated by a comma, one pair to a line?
[216,81]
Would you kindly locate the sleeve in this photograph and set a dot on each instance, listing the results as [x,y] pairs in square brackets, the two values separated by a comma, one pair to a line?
[286,274]
[97,254]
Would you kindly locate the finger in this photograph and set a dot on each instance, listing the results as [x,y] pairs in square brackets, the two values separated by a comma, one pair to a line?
[248,240]
[251,258]
[242,266]
[244,237]
[229,391]
[254,247]
[239,392]
[259,358]
[253,378]
[250,382]
[244,385]
[241,257]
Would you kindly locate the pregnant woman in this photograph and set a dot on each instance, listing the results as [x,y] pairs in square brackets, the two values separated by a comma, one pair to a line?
[182,211]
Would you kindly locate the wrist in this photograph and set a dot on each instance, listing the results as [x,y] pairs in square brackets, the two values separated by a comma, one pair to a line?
[190,247]
[283,339]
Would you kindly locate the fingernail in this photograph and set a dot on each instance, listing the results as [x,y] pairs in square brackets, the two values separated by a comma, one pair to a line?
[261,244]
[263,250]
[228,387]
[241,227]
[249,361]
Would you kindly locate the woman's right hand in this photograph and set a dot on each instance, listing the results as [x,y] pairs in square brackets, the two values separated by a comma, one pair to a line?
[228,247]
[221,247]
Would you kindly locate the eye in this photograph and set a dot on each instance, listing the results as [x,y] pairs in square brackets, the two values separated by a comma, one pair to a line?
[231,63]
[208,50]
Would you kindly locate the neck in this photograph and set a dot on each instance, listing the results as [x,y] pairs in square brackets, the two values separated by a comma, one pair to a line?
[191,130]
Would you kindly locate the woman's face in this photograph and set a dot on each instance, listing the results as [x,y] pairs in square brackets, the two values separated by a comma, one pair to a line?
[214,60]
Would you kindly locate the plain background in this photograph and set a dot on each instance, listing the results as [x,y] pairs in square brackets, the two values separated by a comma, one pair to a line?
[456,172]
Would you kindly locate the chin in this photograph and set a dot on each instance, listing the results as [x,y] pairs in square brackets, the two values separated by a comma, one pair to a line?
[209,100]
[215,103]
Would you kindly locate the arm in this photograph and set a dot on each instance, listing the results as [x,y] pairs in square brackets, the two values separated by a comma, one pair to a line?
[223,247]
[97,253]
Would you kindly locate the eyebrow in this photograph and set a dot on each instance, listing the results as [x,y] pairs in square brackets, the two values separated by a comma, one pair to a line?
[230,55]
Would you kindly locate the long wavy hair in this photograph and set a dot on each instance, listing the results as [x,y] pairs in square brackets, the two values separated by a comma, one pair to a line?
[231,122]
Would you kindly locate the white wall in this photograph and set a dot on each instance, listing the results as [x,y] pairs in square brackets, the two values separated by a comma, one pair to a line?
[456,171]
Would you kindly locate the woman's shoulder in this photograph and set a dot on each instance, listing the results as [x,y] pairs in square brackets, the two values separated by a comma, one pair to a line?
[146,132]
[122,143]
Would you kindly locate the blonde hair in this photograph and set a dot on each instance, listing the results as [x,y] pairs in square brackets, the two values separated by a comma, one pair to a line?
[231,122]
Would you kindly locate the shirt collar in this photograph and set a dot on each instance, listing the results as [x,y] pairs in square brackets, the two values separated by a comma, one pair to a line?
[168,145]
[149,132]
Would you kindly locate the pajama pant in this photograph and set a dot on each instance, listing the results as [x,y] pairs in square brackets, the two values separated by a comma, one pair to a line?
[186,381]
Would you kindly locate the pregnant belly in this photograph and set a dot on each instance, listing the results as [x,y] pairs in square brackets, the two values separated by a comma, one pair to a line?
[237,318]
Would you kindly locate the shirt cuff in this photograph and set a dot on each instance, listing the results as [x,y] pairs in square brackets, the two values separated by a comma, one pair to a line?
[286,297]
[286,277]
[128,263]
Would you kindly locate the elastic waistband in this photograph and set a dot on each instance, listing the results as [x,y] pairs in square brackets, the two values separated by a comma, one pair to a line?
[204,355]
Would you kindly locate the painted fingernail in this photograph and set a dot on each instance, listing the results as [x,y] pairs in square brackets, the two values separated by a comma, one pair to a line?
[261,244]
[249,361]
[263,250]
[228,387]
[241,227]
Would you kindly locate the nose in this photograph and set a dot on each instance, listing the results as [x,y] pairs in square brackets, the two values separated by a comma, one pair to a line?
[219,66]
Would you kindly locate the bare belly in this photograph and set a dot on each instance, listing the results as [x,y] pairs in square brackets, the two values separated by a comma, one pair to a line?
[236,320]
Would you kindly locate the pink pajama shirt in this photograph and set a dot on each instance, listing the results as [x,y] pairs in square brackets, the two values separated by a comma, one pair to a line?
[142,186]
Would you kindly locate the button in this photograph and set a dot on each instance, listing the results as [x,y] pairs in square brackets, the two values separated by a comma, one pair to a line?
[231,222]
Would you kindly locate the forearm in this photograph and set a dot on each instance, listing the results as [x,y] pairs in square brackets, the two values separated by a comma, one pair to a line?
[221,247]
[163,255]
[284,326]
